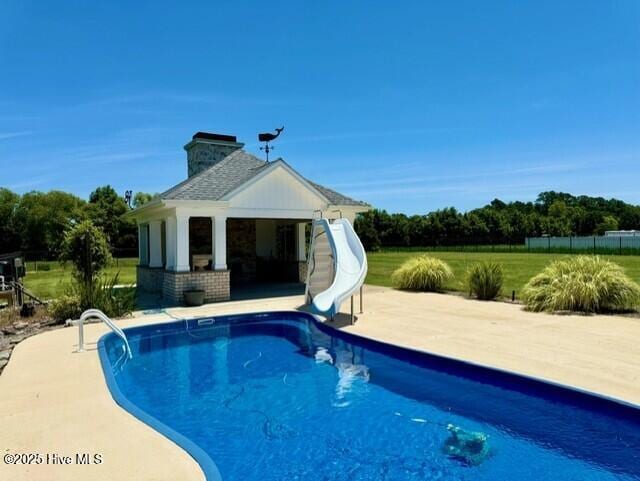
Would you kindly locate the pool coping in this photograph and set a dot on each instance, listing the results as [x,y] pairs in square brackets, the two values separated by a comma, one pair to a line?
[578,395]
[477,365]
[208,466]
[568,388]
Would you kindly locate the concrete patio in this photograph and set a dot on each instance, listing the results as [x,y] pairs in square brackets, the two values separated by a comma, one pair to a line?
[56,401]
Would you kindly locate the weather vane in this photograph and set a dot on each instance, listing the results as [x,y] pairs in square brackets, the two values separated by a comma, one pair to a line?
[269,137]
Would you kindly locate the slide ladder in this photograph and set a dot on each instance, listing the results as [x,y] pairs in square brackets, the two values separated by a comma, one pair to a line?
[337,266]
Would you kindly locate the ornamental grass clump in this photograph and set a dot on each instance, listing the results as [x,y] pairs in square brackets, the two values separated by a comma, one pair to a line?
[484,280]
[583,284]
[422,273]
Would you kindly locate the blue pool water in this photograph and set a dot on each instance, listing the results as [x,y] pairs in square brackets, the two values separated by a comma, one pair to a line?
[279,397]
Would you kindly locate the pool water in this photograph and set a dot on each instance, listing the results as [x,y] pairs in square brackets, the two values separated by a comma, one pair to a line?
[279,397]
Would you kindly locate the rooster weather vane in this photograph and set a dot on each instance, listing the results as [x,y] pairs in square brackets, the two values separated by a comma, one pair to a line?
[269,137]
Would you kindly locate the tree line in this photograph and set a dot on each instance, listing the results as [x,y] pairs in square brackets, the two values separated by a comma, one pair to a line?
[37,221]
[552,213]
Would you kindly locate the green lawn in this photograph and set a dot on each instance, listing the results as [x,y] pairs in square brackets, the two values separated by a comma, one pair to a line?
[518,267]
[48,284]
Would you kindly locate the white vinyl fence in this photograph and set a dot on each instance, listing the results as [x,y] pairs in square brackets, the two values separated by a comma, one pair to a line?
[595,243]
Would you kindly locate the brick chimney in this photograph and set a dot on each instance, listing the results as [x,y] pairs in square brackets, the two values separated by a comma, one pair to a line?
[207,149]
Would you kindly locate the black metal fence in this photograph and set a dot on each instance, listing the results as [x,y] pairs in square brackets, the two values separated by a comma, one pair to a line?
[620,245]
[545,248]
[43,260]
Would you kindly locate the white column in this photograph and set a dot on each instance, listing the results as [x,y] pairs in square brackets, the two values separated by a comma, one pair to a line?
[170,236]
[301,239]
[143,258]
[182,243]
[213,242]
[220,243]
[155,243]
[140,244]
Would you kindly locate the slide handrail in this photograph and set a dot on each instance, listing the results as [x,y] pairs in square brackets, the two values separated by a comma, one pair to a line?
[98,314]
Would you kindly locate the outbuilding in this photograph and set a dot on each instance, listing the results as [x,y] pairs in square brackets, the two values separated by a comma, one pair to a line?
[235,221]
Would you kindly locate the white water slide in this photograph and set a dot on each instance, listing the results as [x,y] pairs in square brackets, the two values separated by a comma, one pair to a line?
[337,265]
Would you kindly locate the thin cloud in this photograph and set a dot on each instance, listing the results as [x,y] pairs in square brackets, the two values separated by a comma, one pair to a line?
[492,181]
[160,98]
[114,158]
[413,179]
[13,135]
[31,182]
[501,189]
[363,134]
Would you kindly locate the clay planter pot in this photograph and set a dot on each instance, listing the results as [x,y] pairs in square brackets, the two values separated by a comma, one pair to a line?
[194,298]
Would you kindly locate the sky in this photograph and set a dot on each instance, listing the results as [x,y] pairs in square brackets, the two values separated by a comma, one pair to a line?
[411,106]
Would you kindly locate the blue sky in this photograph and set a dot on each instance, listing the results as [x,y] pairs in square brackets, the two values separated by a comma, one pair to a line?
[411,106]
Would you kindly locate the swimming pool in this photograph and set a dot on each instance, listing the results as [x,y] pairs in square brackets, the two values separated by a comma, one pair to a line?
[278,396]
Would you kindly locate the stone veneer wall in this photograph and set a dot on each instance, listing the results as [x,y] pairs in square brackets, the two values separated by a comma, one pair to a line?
[149,279]
[241,250]
[202,155]
[302,271]
[215,285]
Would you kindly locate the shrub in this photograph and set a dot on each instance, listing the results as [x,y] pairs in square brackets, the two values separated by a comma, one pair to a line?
[85,246]
[422,273]
[583,284]
[65,307]
[484,280]
[115,301]
[104,295]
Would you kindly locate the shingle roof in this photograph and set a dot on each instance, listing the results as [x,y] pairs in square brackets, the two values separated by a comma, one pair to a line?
[334,197]
[230,173]
[213,183]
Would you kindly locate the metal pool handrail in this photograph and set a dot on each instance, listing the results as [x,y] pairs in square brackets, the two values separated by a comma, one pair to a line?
[98,314]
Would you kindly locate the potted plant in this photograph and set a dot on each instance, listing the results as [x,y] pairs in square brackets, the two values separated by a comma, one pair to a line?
[194,297]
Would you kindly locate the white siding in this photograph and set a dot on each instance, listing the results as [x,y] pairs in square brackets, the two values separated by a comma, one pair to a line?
[278,190]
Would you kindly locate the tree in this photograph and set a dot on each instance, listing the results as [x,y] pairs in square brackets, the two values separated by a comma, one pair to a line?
[558,209]
[40,219]
[630,218]
[106,209]
[364,225]
[546,199]
[85,246]
[477,228]
[142,198]
[9,238]
[608,223]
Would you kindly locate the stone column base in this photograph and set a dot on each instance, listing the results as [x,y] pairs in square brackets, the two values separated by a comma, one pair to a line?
[215,284]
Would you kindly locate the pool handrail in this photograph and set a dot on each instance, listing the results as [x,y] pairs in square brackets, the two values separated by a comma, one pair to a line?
[98,314]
